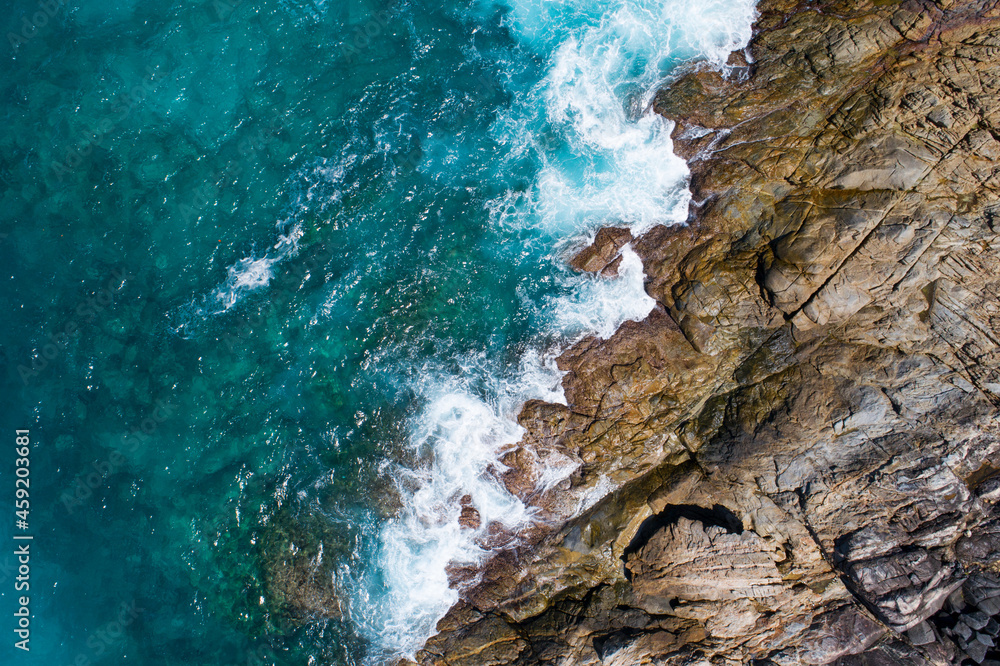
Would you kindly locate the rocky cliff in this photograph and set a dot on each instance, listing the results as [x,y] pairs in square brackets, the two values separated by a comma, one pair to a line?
[797,455]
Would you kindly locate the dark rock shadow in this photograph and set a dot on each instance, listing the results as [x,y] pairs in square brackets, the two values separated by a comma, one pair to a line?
[718,516]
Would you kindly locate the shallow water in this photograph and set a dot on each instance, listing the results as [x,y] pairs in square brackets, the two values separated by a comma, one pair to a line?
[278,276]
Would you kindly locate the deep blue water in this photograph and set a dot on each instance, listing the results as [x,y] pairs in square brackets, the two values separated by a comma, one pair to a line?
[277,276]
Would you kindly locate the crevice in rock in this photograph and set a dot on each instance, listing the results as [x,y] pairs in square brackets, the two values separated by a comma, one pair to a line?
[609,644]
[718,516]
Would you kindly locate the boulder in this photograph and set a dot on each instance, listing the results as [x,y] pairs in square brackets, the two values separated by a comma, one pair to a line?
[603,255]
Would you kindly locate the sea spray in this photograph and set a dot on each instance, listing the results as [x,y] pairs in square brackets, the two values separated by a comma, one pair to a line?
[603,158]
[456,444]
[252,273]
[457,439]
[315,189]
[598,306]
[567,149]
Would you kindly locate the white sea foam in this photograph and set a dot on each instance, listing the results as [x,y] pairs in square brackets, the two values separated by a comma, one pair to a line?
[538,378]
[596,305]
[616,168]
[604,158]
[674,29]
[316,187]
[251,273]
[458,439]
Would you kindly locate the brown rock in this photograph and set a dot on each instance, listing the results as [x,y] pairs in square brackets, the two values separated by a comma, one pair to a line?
[824,361]
[470,515]
[602,256]
[838,633]
[691,561]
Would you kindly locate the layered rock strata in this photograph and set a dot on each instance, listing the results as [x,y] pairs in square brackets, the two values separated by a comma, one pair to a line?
[794,459]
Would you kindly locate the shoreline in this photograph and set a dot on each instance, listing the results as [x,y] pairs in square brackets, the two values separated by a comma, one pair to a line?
[776,370]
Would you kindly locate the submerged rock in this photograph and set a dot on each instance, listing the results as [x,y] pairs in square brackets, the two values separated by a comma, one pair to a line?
[469,516]
[795,458]
[298,557]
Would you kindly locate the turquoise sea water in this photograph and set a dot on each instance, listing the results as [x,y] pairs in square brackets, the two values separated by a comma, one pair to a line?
[277,276]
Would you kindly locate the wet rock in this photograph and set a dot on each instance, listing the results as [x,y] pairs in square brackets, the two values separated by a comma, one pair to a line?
[905,587]
[469,516]
[891,653]
[461,576]
[976,619]
[823,361]
[956,602]
[991,606]
[602,256]
[981,548]
[839,633]
[981,587]
[976,651]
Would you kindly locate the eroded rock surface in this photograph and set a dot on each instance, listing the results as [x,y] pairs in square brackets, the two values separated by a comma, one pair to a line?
[795,458]
[603,255]
[691,561]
